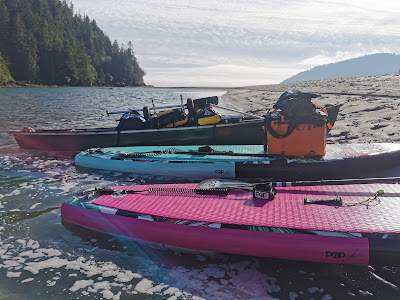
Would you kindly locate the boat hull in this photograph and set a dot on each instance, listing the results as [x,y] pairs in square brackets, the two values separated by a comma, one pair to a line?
[341,161]
[245,132]
[272,244]
[313,236]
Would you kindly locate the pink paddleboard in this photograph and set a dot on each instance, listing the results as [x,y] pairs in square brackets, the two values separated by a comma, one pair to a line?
[350,233]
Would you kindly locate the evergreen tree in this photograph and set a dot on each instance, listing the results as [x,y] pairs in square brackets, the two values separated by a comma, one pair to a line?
[44,41]
[5,75]
[4,28]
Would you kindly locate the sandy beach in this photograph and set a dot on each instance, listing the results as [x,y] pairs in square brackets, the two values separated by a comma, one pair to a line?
[370,105]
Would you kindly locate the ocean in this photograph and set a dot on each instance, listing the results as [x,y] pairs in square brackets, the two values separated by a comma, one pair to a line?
[42,257]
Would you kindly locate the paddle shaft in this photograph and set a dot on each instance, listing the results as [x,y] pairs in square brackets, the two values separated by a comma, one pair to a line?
[200,153]
[225,153]
[241,185]
[240,112]
[183,106]
[158,107]
[200,101]
[338,182]
[212,185]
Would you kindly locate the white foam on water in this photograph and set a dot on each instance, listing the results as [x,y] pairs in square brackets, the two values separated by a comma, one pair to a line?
[126,276]
[33,244]
[51,283]
[7,264]
[13,274]
[144,286]
[364,293]
[35,205]
[13,193]
[81,284]
[112,279]
[36,267]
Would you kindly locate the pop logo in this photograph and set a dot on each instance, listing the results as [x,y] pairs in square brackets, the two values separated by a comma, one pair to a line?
[335,254]
[261,195]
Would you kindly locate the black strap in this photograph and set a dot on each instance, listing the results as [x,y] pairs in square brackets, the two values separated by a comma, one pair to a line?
[292,125]
[207,149]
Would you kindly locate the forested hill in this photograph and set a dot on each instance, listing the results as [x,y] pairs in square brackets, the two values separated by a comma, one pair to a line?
[43,41]
[374,64]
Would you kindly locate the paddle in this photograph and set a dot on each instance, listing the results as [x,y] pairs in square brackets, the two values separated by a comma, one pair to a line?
[197,102]
[206,150]
[240,112]
[265,191]
[227,153]
[141,109]
[227,183]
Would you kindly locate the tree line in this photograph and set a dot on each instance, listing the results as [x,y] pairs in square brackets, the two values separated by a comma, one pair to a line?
[45,42]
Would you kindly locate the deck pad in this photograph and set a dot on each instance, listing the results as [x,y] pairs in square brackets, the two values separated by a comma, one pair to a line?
[287,210]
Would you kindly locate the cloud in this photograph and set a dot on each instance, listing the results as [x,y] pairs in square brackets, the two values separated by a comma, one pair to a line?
[225,75]
[326,58]
[272,36]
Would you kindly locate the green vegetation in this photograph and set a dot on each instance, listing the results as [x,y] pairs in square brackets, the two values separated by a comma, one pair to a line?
[4,72]
[43,41]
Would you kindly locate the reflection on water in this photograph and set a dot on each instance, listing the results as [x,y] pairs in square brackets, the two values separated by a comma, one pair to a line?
[45,258]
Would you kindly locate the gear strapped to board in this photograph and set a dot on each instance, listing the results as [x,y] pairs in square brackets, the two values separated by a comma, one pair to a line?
[264,191]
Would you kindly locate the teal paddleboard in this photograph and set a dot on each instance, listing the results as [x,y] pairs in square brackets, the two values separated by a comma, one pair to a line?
[242,161]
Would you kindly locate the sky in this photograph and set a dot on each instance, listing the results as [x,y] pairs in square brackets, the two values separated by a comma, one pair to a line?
[232,43]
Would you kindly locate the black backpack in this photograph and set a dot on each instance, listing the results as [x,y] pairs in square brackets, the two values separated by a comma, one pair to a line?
[296,104]
[166,118]
[130,121]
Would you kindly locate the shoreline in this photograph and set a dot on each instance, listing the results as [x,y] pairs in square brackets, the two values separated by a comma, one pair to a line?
[369,113]
[29,84]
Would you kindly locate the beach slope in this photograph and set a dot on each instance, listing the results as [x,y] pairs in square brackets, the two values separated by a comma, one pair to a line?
[370,105]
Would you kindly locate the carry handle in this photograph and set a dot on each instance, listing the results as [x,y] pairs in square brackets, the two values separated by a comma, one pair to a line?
[336,200]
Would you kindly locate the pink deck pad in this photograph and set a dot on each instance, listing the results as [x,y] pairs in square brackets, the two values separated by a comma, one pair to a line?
[287,210]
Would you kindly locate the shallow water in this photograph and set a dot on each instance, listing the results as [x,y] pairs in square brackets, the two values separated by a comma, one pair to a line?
[42,257]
